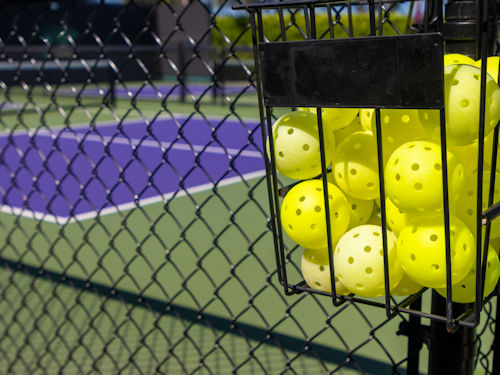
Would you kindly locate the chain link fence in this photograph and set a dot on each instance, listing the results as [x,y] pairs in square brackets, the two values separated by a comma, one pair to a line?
[134,218]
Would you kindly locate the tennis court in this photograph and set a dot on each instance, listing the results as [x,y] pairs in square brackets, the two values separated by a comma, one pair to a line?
[134,212]
[107,199]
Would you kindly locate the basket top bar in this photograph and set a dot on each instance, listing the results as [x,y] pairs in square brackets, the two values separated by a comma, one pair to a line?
[300,3]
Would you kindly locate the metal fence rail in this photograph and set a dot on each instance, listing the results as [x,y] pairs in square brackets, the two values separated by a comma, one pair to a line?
[134,220]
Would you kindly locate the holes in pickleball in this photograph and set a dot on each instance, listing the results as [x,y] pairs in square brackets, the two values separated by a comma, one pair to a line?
[318,284]
[470,193]
[356,235]
[413,257]
[397,177]
[470,212]
[336,214]
[281,154]
[433,237]
[370,184]
[290,131]
[350,260]
[435,267]
[368,270]
[396,161]
[387,119]
[367,249]
[418,186]
[336,279]
[415,166]
[411,146]
[313,226]
[437,167]
[427,148]
[465,247]
[298,212]
[302,198]
[321,268]
[354,171]
[405,119]
[477,76]
[317,208]
[354,206]
[318,189]
[414,230]
[330,196]
[376,233]
[305,147]
[464,103]
[453,82]
[290,226]
[340,175]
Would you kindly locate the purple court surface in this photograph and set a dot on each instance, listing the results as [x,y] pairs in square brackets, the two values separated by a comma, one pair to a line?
[62,174]
[162,91]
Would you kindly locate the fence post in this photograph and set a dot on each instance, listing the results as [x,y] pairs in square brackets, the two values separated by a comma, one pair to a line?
[450,353]
[454,353]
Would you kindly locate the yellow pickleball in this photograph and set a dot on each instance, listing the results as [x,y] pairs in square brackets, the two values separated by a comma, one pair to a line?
[462,89]
[406,287]
[315,268]
[398,126]
[465,290]
[355,166]
[413,176]
[353,127]
[491,66]
[303,214]
[335,118]
[359,261]
[422,251]
[296,145]
[465,208]
[457,58]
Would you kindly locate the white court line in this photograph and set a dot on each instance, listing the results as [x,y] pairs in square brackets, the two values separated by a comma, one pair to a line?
[62,220]
[164,116]
[107,140]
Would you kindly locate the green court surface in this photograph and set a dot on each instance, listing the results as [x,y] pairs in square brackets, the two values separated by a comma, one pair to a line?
[185,285]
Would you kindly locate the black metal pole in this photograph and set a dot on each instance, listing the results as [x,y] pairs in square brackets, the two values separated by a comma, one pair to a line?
[450,353]
[454,353]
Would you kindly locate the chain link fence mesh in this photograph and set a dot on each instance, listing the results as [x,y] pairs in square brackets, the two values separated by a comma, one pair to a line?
[134,206]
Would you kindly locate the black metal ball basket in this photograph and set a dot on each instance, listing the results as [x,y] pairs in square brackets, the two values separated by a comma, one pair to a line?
[410,94]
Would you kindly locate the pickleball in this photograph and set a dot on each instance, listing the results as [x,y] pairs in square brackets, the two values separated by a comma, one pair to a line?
[315,268]
[335,118]
[465,290]
[303,214]
[359,261]
[491,66]
[297,146]
[462,89]
[413,176]
[458,58]
[398,126]
[355,166]
[422,251]
[466,204]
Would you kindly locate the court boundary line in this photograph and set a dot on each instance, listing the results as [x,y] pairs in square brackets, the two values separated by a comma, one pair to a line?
[128,141]
[85,125]
[63,220]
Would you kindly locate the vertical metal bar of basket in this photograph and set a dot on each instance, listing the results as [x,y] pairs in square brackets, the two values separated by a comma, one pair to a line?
[280,264]
[380,158]
[482,37]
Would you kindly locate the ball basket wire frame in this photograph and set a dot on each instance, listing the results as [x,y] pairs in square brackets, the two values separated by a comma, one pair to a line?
[431,39]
